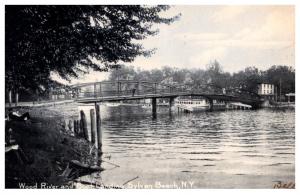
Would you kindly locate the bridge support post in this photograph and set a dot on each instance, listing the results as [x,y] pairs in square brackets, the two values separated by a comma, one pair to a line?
[211,104]
[154,104]
[255,106]
[95,90]
[98,127]
[171,104]
[93,124]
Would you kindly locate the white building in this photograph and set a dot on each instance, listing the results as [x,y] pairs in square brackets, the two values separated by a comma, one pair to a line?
[266,90]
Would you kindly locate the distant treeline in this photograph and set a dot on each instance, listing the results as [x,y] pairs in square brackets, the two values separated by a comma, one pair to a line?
[214,75]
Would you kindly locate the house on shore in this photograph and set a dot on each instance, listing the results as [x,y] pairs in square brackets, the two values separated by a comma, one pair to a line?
[267,91]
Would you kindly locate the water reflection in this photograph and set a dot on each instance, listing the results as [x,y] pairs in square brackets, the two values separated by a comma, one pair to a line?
[229,149]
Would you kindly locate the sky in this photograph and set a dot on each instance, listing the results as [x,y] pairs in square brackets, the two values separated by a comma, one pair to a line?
[235,36]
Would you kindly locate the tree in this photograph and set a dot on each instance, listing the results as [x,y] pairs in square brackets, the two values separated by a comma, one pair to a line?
[122,73]
[247,79]
[283,76]
[167,71]
[180,75]
[73,39]
[156,75]
[214,76]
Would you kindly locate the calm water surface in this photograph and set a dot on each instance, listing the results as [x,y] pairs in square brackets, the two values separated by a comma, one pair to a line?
[228,149]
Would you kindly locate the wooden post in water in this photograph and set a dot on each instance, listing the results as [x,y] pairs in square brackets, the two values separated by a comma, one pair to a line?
[93,130]
[154,107]
[100,88]
[70,125]
[17,98]
[211,104]
[75,127]
[9,97]
[98,126]
[95,90]
[64,125]
[171,104]
[84,125]
[78,127]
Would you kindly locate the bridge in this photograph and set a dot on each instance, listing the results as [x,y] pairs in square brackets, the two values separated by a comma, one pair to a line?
[125,90]
[115,91]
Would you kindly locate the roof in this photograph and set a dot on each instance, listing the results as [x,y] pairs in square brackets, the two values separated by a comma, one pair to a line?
[290,94]
[266,83]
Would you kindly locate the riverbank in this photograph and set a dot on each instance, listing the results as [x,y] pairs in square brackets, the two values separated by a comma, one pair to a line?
[43,151]
[38,103]
[278,105]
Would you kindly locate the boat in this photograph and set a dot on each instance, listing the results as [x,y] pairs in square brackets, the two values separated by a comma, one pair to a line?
[192,105]
[146,105]
[112,104]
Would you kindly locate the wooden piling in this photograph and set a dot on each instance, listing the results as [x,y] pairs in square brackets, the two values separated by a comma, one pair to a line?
[80,130]
[78,127]
[75,127]
[171,103]
[10,97]
[84,125]
[98,126]
[93,130]
[154,103]
[70,125]
[64,125]
[211,105]
[17,99]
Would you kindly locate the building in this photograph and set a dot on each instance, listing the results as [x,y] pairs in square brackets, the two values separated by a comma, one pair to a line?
[290,97]
[267,91]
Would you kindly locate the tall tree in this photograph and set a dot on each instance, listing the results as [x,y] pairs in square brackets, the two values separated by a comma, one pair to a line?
[71,39]
[281,76]
[247,79]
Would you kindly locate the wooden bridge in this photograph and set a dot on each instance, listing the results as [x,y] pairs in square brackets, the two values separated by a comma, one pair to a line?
[134,90]
[124,90]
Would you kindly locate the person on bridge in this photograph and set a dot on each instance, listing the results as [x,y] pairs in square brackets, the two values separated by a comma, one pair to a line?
[133,91]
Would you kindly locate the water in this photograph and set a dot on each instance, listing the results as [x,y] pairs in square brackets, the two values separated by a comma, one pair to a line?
[228,149]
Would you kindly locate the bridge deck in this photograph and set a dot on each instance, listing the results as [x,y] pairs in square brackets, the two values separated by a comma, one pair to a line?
[124,90]
[130,97]
[222,97]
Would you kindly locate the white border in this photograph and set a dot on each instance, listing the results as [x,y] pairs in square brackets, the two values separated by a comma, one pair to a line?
[169,2]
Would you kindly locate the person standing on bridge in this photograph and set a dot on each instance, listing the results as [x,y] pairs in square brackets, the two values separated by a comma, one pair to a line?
[133,91]
[224,91]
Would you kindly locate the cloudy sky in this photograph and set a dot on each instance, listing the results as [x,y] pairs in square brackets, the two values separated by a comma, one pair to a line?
[236,36]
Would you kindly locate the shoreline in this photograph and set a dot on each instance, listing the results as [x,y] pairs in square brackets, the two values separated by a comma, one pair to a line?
[46,150]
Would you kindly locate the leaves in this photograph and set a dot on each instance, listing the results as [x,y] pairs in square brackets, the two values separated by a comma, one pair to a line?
[60,38]
[213,79]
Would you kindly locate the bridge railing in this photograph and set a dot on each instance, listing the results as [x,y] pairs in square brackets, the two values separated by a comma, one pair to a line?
[144,88]
[128,92]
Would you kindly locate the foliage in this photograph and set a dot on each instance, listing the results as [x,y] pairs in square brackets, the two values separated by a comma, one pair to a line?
[281,75]
[213,78]
[72,39]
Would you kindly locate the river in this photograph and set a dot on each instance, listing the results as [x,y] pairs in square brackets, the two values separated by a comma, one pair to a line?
[224,149]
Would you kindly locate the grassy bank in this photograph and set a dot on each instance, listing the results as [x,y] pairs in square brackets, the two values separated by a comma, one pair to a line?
[47,148]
